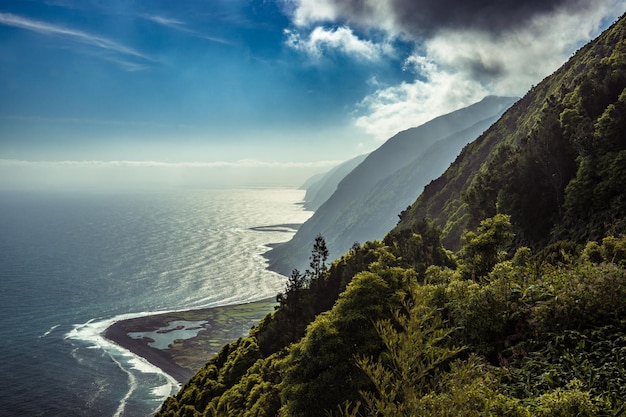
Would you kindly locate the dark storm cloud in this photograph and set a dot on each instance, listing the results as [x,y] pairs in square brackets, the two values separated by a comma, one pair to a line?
[423,17]
[481,70]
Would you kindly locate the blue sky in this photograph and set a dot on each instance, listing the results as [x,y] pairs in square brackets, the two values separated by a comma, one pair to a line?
[255,92]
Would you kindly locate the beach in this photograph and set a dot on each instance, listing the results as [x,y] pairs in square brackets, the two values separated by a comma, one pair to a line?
[181,342]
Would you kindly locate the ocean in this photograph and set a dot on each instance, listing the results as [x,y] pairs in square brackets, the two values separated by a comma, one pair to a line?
[71,263]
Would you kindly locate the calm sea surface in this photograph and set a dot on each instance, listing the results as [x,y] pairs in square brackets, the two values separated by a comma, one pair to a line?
[71,263]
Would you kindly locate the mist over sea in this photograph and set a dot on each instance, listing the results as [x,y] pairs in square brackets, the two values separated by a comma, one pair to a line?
[73,262]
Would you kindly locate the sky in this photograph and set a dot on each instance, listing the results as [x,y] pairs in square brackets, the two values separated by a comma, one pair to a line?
[259,92]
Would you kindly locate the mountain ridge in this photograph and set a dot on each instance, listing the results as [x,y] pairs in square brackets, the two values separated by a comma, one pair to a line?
[322,186]
[341,210]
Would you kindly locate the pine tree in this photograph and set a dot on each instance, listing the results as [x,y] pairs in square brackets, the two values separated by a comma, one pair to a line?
[318,258]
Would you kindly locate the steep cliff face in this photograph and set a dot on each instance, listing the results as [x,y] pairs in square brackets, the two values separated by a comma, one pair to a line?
[368,200]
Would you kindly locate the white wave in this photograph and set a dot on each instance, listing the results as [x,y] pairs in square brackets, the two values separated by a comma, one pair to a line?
[162,391]
[50,330]
[91,333]
[132,382]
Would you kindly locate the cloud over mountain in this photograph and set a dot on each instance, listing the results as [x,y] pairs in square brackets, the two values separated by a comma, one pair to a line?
[461,50]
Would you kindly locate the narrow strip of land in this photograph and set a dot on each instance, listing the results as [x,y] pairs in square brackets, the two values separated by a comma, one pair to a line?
[184,357]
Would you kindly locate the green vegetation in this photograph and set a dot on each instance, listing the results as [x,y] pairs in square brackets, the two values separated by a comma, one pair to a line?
[526,318]
[526,336]
[554,162]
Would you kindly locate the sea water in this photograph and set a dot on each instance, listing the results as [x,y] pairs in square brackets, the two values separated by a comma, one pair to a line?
[72,263]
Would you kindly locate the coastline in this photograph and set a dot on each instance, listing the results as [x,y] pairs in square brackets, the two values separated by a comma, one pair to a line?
[183,357]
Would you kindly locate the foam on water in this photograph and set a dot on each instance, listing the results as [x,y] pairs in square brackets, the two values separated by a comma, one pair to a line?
[50,330]
[91,335]
[162,391]
[132,386]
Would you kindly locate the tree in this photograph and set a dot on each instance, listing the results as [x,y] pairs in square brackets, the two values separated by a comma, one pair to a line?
[320,370]
[293,308]
[485,248]
[416,355]
[318,258]
[295,284]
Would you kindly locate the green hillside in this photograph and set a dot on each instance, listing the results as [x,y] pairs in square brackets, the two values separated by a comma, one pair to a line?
[554,161]
[501,292]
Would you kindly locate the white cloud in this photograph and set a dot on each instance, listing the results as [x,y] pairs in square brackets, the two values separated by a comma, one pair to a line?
[166,21]
[375,13]
[340,39]
[396,108]
[455,68]
[307,12]
[181,26]
[101,43]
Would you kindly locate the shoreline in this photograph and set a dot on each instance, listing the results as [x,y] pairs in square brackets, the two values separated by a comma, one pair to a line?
[183,357]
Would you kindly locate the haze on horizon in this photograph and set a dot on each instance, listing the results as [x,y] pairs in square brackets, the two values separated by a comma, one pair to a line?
[254,93]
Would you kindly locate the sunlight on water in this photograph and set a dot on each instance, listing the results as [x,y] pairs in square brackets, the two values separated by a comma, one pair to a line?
[72,264]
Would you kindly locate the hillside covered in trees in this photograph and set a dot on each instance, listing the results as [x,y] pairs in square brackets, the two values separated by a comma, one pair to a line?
[501,292]
[554,161]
